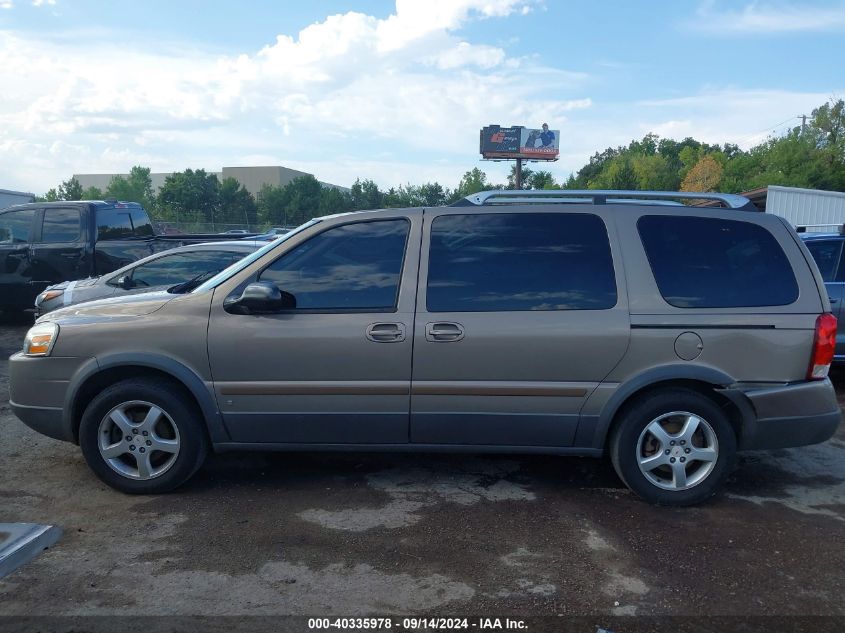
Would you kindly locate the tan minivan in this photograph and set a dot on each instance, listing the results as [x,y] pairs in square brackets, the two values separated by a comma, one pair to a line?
[665,335]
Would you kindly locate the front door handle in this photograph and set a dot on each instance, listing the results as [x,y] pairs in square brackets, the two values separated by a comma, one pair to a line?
[386,332]
[443,332]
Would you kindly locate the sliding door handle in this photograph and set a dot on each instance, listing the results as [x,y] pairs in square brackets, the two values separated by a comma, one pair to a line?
[444,332]
[386,332]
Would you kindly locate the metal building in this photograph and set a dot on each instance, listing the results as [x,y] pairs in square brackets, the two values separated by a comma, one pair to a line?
[805,207]
[8,198]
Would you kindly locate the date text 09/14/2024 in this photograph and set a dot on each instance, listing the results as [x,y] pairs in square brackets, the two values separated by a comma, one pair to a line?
[416,623]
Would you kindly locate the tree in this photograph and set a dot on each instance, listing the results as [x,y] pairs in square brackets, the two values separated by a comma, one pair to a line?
[137,186]
[542,180]
[653,172]
[272,205]
[300,200]
[70,190]
[526,177]
[191,196]
[618,173]
[431,194]
[591,171]
[366,195]
[92,193]
[472,182]
[828,123]
[237,206]
[705,175]
[303,199]
[333,200]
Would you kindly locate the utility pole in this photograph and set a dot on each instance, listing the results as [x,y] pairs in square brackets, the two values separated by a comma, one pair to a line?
[803,123]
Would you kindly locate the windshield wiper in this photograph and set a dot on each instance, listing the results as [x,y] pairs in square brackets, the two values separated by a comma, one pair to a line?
[187,286]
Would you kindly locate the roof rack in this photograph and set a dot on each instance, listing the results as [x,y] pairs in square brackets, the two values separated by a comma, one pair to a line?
[599,196]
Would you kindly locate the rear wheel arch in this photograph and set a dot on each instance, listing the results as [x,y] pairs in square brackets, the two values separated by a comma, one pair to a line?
[709,382]
[673,446]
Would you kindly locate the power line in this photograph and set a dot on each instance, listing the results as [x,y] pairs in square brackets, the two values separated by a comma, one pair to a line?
[770,127]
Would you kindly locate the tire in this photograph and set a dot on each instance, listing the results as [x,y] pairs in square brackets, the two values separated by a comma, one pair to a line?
[700,455]
[143,436]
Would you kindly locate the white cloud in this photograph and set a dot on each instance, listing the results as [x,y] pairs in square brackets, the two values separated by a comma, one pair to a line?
[744,117]
[9,4]
[767,18]
[351,84]
[398,100]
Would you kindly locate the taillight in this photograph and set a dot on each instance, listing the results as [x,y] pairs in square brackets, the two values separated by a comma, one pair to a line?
[824,346]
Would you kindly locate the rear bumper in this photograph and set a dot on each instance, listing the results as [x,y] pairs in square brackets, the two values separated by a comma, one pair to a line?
[789,415]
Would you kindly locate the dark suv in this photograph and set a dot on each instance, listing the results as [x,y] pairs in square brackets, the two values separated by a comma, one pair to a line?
[826,249]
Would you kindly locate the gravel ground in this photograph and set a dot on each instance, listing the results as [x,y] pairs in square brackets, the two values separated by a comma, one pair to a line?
[361,533]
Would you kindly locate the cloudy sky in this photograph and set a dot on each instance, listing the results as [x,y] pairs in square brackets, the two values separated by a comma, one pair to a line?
[395,91]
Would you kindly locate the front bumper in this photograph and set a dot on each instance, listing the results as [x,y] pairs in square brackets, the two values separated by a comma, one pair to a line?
[46,420]
[790,415]
[38,389]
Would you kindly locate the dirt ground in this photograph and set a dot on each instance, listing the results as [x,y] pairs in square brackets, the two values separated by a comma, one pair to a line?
[349,534]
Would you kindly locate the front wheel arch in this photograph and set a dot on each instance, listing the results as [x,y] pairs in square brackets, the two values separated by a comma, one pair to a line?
[106,372]
[143,435]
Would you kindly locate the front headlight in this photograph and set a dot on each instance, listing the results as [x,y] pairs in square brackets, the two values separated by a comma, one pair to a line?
[40,339]
[47,295]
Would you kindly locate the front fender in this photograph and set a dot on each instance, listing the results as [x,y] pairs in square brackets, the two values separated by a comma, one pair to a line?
[203,394]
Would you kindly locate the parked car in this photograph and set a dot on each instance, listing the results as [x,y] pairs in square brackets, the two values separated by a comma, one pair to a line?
[45,243]
[575,323]
[826,249]
[235,232]
[160,271]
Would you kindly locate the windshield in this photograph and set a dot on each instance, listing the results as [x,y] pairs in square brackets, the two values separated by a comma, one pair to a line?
[234,269]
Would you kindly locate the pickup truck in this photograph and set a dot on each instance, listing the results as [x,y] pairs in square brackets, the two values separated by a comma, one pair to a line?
[43,243]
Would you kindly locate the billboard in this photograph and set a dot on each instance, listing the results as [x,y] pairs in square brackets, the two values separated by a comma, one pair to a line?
[520,142]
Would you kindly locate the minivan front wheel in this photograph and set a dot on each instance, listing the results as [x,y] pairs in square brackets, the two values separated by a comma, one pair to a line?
[674,447]
[142,436]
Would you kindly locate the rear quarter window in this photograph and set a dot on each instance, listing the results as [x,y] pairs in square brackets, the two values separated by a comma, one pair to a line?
[61,225]
[715,263]
[123,222]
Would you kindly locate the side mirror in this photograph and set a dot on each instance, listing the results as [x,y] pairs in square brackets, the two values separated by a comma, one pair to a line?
[261,297]
[125,282]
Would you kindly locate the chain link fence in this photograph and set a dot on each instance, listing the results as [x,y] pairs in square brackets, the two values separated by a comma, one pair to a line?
[180,228]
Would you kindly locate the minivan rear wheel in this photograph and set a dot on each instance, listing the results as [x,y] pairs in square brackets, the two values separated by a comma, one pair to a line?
[674,447]
[143,436]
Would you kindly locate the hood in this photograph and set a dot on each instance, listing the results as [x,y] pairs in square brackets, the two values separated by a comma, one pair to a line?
[125,306]
[79,283]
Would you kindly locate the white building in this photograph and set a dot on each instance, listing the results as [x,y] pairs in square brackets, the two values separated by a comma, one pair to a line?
[9,198]
[252,178]
[804,207]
